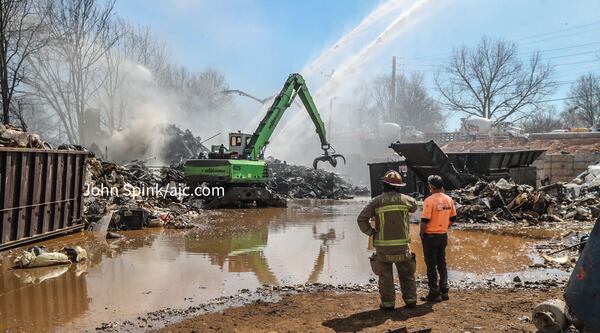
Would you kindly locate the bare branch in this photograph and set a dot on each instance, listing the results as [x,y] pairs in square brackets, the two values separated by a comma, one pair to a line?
[70,71]
[21,35]
[413,105]
[491,82]
[585,101]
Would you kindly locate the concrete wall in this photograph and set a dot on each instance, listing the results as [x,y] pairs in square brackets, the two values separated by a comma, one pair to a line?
[563,136]
[563,167]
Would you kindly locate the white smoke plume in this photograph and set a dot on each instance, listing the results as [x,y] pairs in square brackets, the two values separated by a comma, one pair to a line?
[339,78]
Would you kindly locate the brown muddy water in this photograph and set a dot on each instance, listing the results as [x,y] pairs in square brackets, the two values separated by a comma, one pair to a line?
[310,241]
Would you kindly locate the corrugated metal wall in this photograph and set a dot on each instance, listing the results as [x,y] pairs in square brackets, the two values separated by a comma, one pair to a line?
[41,193]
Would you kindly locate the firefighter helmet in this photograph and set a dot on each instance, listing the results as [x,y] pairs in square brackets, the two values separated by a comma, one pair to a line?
[393,178]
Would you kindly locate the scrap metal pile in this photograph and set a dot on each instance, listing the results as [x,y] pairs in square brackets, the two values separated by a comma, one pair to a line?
[503,201]
[295,181]
[152,196]
[180,145]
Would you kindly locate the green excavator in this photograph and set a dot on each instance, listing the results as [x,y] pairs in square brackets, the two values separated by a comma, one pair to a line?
[240,168]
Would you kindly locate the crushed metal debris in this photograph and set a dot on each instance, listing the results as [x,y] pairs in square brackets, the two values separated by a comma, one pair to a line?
[504,201]
[296,181]
[180,145]
[136,211]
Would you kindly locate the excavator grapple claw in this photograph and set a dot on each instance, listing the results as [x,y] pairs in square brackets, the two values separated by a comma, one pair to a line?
[332,159]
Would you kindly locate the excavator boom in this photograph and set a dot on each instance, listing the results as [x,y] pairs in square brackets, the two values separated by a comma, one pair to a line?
[294,86]
[240,169]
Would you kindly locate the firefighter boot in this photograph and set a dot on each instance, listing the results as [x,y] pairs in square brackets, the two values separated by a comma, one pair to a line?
[432,296]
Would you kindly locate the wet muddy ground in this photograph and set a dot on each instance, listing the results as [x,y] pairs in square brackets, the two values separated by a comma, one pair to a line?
[467,311]
[231,253]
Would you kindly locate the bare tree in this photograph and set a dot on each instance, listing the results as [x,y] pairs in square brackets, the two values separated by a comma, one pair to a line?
[143,47]
[490,81]
[369,115]
[585,99]
[203,97]
[21,35]
[201,93]
[69,71]
[174,77]
[413,104]
[137,46]
[543,120]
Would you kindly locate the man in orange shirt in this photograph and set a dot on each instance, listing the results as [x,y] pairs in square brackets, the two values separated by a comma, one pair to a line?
[438,214]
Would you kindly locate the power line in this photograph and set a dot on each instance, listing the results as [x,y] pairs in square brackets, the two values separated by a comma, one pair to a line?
[441,68]
[559,37]
[574,54]
[566,98]
[560,30]
[555,84]
[442,55]
[580,69]
[541,52]
[561,48]
[578,62]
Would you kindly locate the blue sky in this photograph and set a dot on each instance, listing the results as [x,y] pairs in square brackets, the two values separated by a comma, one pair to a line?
[255,43]
[258,43]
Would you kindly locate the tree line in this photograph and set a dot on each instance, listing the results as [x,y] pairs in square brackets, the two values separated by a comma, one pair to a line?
[67,69]
[490,80]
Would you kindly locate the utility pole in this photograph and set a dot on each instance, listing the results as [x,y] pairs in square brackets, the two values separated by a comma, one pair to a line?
[393,91]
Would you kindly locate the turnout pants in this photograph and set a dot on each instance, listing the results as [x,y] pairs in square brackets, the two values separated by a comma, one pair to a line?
[406,275]
[434,251]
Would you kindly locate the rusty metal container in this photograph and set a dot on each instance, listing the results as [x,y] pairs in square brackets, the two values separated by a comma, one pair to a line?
[426,158]
[378,169]
[41,194]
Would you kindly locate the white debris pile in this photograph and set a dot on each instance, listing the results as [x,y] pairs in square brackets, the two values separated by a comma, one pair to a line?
[39,257]
[11,136]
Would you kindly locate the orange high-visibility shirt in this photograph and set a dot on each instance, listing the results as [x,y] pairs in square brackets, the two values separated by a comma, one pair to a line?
[438,208]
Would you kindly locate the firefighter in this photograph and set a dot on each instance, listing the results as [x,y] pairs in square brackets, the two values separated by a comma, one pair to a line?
[391,238]
[438,215]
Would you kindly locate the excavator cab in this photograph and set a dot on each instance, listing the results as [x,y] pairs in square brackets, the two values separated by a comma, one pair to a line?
[329,156]
[238,142]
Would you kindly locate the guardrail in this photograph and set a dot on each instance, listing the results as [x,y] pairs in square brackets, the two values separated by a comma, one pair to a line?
[565,135]
[444,137]
[457,136]
[41,194]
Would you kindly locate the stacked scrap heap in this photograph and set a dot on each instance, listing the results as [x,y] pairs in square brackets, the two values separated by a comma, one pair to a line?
[502,201]
[296,181]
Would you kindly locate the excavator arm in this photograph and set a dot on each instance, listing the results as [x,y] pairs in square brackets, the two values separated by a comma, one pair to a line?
[294,86]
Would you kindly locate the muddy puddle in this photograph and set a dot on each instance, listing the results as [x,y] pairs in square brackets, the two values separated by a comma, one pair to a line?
[310,241]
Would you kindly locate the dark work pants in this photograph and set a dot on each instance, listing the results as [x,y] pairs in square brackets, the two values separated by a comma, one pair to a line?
[406,275]
[434,250]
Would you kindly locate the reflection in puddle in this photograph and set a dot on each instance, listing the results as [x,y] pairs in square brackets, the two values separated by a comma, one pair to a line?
[233,249]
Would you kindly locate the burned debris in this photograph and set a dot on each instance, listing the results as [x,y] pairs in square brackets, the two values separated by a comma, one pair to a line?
[137,195]
[501,201]
[295,181]
[180,145]
[479,184]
